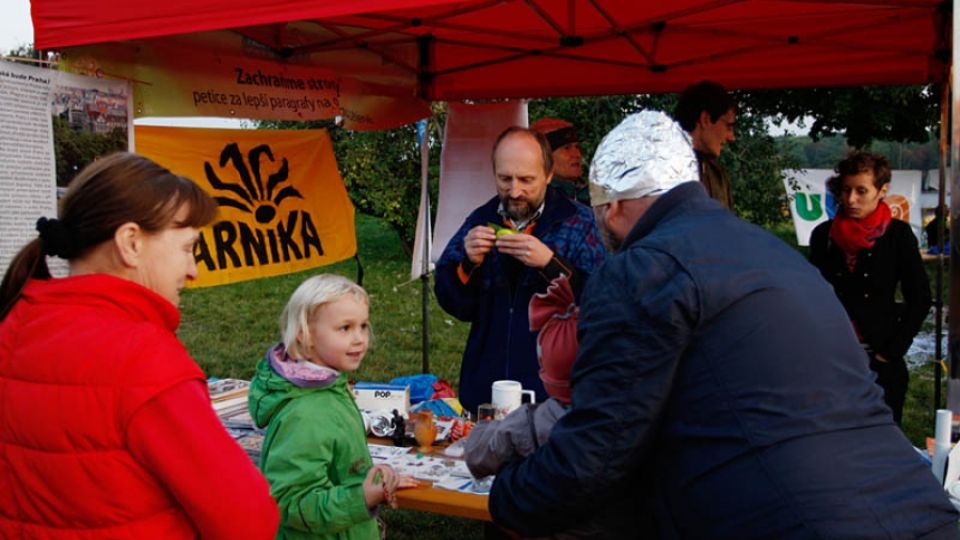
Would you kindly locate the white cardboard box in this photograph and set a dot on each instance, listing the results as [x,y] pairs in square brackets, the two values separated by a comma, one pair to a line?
[382,397]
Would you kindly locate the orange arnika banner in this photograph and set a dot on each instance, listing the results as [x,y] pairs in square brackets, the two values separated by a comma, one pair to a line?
[283,205]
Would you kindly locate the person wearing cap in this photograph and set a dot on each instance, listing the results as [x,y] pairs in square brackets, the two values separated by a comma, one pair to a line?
[718,379]
[507,250]
[708,113]
[567,158]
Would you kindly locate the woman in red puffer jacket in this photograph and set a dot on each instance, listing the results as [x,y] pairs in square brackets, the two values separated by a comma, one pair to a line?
[107,429]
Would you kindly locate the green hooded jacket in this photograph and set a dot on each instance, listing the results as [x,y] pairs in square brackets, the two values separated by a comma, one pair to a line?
[314,455]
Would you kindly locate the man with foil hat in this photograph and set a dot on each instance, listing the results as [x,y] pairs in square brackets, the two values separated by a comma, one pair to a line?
[718,384]
[567,158]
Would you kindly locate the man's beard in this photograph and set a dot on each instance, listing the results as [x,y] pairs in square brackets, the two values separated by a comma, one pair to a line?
[518,210]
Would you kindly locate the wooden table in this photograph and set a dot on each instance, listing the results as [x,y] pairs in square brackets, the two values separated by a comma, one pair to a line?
[426,498]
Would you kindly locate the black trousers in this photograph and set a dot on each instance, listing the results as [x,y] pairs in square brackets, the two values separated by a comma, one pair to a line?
[893,377]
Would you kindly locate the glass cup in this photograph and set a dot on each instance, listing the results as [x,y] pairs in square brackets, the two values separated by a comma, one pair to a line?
[424,430]
[485,412]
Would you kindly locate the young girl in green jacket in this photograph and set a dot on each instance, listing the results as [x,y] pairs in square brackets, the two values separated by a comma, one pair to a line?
[315,450]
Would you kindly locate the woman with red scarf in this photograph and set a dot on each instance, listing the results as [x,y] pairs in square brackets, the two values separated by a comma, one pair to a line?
[865,254]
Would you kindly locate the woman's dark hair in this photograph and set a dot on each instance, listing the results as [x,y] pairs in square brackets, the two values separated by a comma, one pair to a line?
[117,189]
[855,163]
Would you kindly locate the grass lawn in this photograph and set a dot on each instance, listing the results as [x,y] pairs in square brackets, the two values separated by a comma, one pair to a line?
[228,328]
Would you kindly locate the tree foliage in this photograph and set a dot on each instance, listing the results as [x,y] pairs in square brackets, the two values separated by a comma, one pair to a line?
[75,149]
[862,114]
[754,161]
[827,151]
[382,169]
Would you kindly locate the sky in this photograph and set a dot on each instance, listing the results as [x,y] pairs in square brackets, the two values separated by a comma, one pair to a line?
[16,28]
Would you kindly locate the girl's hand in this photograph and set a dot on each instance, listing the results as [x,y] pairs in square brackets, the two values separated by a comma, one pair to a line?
[405,482]
[373,492]
[379,486]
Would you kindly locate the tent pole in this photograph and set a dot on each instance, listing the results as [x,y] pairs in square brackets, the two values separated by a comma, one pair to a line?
[953,348]
[425,253]
[940,228]
[425,57]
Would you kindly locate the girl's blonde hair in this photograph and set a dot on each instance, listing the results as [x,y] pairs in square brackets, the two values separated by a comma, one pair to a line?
[310,296]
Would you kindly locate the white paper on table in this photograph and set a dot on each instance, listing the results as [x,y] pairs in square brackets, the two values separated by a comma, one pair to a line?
[384,452]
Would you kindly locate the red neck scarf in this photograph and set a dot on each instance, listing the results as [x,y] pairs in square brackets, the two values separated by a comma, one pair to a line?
[852,235]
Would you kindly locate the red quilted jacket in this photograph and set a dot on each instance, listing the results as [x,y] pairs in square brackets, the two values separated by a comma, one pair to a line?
[78,356]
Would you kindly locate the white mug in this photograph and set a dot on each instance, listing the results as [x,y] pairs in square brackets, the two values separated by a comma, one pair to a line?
[507,396]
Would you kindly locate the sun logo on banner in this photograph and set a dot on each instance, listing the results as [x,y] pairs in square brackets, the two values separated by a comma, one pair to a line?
[899,207]
[252,195]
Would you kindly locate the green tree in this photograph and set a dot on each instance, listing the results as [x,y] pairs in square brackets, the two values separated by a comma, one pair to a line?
[862,114]
[381,169]
[75,149]
[754,160]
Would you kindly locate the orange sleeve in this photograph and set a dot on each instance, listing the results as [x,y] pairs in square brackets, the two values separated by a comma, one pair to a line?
[465,269]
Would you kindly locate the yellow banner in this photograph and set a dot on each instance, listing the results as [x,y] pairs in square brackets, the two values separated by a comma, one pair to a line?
[221,75]
[283,205]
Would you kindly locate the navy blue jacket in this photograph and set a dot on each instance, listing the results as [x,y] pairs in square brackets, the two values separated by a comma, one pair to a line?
[496,297]
[716,360]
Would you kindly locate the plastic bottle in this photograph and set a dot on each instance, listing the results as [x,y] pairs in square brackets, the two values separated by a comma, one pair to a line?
[941,444]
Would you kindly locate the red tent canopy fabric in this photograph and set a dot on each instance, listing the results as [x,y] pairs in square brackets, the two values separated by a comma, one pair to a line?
[478,49]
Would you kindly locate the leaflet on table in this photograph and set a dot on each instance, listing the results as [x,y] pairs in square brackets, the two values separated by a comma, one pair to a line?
[444,472]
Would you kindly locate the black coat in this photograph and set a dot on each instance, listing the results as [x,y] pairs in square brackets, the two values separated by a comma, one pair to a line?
[869,292]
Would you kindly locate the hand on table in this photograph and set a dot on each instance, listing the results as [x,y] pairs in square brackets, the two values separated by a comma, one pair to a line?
[381,484]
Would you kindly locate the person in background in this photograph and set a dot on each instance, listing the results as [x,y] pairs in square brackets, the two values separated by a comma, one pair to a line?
[567,158]
[865,255]
[108,428]
[718,380]
[315,452]
[491,444]
[708,114]
[487,276]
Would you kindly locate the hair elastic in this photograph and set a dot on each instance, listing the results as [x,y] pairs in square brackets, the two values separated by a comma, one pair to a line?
[54,236]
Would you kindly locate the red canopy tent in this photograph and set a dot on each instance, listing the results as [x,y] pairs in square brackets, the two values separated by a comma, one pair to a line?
[475,49]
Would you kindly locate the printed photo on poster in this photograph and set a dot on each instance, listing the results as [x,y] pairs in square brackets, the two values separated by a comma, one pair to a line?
[91,118]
